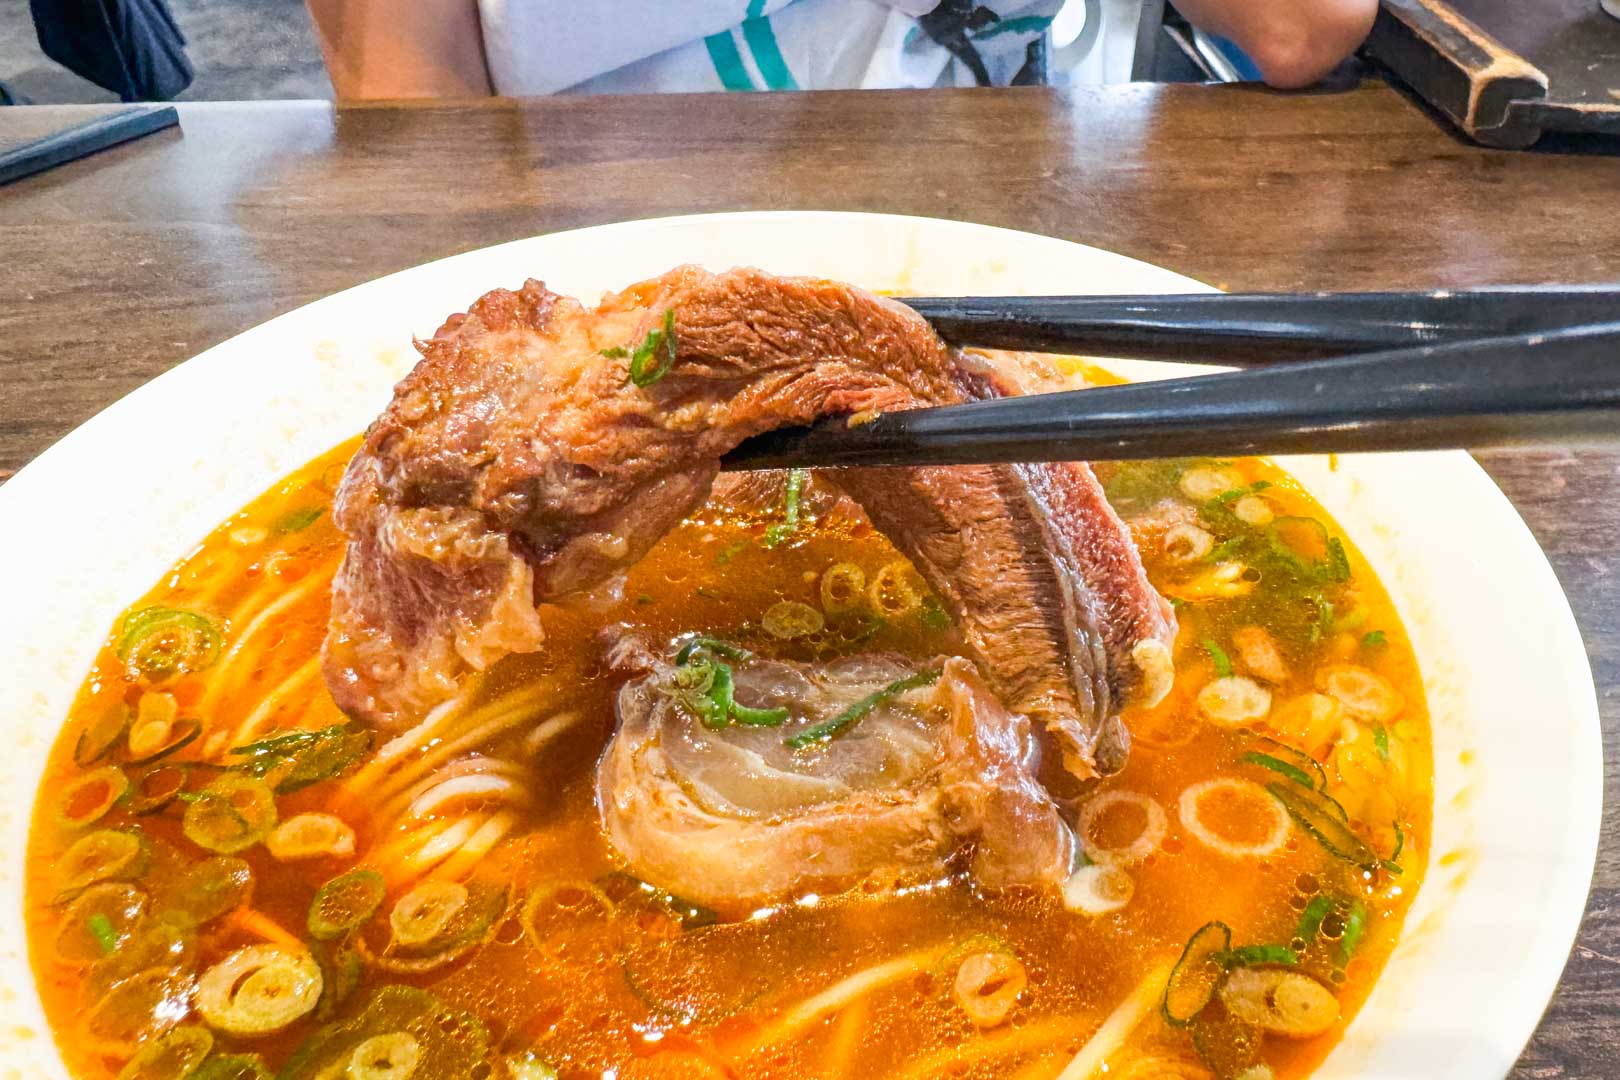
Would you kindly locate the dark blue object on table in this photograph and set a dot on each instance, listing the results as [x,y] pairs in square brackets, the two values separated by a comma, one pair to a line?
[132,47]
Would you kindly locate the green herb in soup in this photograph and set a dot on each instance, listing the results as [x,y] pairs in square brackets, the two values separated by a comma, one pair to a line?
[229,878]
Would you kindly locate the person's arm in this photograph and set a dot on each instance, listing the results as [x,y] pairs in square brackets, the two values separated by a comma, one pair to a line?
[388,49]
[1293,42]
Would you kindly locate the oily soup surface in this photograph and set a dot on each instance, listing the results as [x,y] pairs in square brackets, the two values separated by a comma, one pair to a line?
[446,905]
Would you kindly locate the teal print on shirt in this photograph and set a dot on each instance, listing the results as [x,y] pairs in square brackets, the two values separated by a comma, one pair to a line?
[728,62]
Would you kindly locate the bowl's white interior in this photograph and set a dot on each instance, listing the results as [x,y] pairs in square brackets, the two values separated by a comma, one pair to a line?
[94,521]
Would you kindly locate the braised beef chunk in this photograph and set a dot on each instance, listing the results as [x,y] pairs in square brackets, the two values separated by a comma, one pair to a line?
[742,815]
[520,461]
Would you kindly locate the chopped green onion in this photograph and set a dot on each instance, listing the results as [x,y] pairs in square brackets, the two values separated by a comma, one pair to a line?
[1355,925]
[1301,761]
[88,798]
[157,786]
[180,734]
[231,814]
[1247,955]
[423,913]
[1222,550]
[344,903]
[707,688]
[1392,863]
[1237,493]
[1292,538]
[731,551]
[1277,765]
[1324,819]
[441,922]
[453,1043]
[101,928]
[1381,742]
[699,642]
[298,520]
[932,613]
[100,735]
[789,525]
[103,855]
[206,890]
[298,759]
[660,342]
[258,989]
[855,713]
[99,921]
[1223,663]
[1196,975]
[1374,639]
[752,717]
[233,1067]
[175,1053]
[341,970]
[1310,920]
[158,644]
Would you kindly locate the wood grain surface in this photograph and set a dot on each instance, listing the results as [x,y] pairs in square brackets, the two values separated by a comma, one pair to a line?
[120,266]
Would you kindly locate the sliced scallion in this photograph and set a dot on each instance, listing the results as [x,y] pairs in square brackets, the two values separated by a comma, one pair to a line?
[176,1053]
[700,643]
[654,357]
[1381,741]
[231,814]
[232,1067]
[88,798]
[1355,926]
[855,713]
[294,521]
[157,786]
[103,855]
[157,740]
[1223,663]
[158,644]
[1281,767]
[258,989]
[1197,974]
[1315,813]
[345,903]
[1310,920]
[1251,955]
[789,524]
[101,928]
[100,734]
[207,890]
[297,759]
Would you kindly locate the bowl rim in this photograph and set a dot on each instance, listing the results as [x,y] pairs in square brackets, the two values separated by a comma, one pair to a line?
[34,493]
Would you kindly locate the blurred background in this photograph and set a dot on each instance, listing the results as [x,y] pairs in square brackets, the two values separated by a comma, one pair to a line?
[242,50]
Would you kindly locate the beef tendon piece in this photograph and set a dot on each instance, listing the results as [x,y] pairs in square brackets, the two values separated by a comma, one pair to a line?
[934,777]
[541,446]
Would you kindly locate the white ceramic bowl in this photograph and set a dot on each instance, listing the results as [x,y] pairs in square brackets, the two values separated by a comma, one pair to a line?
[91,524]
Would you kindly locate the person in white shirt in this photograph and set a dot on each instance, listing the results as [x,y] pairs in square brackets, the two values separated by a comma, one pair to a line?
[456,48]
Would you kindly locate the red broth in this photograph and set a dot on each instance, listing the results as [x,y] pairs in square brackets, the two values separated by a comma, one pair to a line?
[568,965]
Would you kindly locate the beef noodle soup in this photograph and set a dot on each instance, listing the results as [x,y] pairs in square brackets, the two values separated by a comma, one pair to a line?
[162,847]
[743,809]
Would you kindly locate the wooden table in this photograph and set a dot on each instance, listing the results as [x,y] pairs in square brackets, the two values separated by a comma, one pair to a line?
[118,267]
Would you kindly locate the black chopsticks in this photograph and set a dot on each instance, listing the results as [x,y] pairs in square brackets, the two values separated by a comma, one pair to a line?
[1558,386]
[82,140]
[1242,330]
